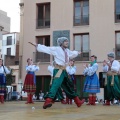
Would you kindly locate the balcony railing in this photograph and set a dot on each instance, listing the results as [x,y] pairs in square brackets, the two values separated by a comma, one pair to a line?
[83,57]
[81,20]
[42,57]
[117,17]
[42,23]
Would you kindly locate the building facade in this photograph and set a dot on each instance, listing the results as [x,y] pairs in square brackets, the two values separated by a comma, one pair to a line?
[4,26]
[1,28]
[92,27]
[4,21]
[10,56]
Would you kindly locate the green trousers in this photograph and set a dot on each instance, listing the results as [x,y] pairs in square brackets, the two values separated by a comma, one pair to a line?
[111,92]
[64,82]
[59,94]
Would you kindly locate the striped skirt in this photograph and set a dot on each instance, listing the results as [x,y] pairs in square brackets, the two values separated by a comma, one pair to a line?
[91,84]
[29,83]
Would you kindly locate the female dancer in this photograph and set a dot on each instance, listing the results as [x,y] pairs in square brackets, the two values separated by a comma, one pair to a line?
[91,84]
[3,71]
[30,80]
[71,70]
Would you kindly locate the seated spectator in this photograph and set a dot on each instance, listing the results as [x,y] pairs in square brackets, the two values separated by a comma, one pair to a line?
[41,95]
[34,97]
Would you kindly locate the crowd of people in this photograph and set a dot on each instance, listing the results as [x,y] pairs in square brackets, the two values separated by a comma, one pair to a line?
[63,81]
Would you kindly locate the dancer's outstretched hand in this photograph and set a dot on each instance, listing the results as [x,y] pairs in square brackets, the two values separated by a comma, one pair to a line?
[34,44]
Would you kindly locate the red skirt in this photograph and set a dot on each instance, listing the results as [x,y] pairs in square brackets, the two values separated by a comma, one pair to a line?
[29,85]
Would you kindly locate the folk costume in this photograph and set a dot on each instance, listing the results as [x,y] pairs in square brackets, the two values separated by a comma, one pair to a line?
[61,58]
[59,94]
[71,70]
[3,71]
[91,84]
[112,82]
[30,82]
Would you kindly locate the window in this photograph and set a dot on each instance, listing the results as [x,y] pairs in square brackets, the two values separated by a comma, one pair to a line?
[117,11]
[8,51]
[9,40]
[39,56]
[16,62]
[14,88]
[43,19]
[81,12]
[117,46]
[44,40]
[81,43]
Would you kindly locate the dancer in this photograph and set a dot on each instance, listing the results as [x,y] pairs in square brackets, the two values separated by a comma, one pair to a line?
[30,80]
[3,71]
[91,84]
[59,94]
[112,85]
[71,70]
[61,55]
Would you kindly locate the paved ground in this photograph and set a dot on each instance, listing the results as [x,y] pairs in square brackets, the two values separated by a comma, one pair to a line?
[21,111]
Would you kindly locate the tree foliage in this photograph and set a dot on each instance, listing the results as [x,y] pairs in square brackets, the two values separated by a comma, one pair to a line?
[9,78]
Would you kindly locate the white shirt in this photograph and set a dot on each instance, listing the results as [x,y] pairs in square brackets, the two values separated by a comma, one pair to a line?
[90,70]
[115,67]
[32,68]
[50,69]
[6,70]
[71,70]
[58,53]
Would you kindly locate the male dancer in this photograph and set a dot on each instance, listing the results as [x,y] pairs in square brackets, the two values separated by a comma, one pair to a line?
[61,55]
[112,83]
[59,94]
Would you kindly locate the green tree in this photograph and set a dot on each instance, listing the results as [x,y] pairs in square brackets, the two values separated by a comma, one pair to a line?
[9,78]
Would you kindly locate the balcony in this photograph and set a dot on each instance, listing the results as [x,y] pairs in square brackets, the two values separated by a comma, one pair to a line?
[117,17]
[42,57]
[42,23]
[83,57]
[81,20]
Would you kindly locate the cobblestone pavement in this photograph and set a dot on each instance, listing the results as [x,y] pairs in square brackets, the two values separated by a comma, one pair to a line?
[21,111]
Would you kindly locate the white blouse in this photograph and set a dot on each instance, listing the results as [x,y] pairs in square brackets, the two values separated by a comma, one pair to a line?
[90,70]
[6,70]
[50,69]
[32,68]
[71,70]
[58,53]
[115,67]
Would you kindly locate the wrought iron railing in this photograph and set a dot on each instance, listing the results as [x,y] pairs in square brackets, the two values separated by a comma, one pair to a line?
[42,57]
[42,23]
[84,56]
[81,20]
